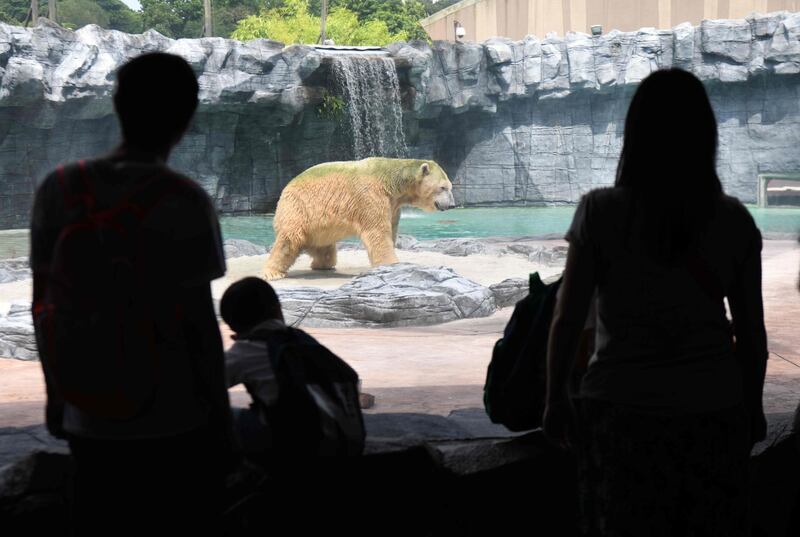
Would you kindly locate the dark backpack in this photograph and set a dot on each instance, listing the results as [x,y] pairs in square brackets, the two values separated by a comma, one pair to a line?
[514,392]
[94,321]
[317,412]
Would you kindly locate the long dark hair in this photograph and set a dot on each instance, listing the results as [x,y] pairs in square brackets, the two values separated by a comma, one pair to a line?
[668,162]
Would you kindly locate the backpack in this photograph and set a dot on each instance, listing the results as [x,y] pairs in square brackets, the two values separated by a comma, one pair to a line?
[317,412]
[514,393]
[94,324]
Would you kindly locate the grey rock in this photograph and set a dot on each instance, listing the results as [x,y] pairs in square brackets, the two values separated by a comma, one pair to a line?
[683,51]
[355,245]
[509,291]
[555,68]
[552,256]
[17,337]
[498,51]
[477,422]
[765,25]
[532,62]
[297,303]
[538,120]
[607,55]
[240,248]
[402,294]
[580,52]
[423,427]
[785,43]
[473,456]
[19,443]
[729,39]
[456,247]
[644,57]
[405,242]
[15,269]
[779,427]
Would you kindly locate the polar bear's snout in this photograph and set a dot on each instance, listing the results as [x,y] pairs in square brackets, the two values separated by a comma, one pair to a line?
[444,200]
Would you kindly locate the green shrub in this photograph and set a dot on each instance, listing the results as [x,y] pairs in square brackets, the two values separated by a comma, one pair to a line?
[331,107]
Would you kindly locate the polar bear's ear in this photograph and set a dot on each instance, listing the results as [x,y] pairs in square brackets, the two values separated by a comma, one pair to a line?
[425,169]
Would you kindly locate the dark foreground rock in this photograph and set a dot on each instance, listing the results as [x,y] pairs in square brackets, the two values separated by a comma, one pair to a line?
[420,475]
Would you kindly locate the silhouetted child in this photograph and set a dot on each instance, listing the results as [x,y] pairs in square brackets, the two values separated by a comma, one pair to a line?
[305,412]
[247,305]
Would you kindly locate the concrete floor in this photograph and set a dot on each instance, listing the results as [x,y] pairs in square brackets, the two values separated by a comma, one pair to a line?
[436,369]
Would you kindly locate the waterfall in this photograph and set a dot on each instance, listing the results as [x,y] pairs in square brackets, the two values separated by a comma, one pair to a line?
[371,92]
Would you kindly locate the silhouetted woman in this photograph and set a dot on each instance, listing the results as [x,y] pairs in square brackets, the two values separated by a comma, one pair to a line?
[668,411]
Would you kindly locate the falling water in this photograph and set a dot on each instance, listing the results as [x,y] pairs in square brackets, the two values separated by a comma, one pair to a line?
[371,91]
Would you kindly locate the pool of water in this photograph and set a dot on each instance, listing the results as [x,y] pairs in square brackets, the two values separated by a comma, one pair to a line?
[496,222]
[468,222]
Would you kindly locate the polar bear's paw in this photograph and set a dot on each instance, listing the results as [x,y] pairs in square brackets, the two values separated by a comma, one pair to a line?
[270,274]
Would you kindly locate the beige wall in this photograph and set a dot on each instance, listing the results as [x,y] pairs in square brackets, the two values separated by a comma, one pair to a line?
[483,19]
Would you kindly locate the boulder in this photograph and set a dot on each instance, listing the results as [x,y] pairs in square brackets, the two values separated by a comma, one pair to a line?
[240,248]
[402,294]
[509,291]
[460,247]
[405,242]
[729,39]
[551,256]
[17,338]
[14,269]
[785,43]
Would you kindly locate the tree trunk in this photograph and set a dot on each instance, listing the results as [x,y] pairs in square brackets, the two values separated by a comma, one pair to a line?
[34,12]
[51,10]
[208,29]
[323,22]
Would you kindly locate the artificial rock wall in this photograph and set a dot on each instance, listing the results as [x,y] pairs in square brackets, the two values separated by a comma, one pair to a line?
[531,121]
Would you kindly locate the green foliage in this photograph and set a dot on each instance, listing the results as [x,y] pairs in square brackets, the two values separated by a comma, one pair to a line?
[290,23]
[401,17]
[331,107]
[15,11]
[227,13]
[74,14]
[121,17]
[295,23]
[77,13]
[173,18]
[352,22]
[398,15]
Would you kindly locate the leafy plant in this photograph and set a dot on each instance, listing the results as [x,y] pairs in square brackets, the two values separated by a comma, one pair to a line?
[331,107]
[294,23]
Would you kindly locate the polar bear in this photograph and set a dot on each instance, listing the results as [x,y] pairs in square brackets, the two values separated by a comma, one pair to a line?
[334,200]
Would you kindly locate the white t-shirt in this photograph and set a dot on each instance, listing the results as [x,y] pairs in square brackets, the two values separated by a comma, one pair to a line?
[662,342]
[247,362]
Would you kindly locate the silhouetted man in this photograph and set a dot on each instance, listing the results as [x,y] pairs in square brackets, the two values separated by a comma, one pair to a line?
[123,249]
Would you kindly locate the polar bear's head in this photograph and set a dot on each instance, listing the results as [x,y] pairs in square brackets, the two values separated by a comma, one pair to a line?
[434,191]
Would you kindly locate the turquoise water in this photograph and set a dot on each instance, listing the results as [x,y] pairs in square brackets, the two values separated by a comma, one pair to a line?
[470,222]
[495,222]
